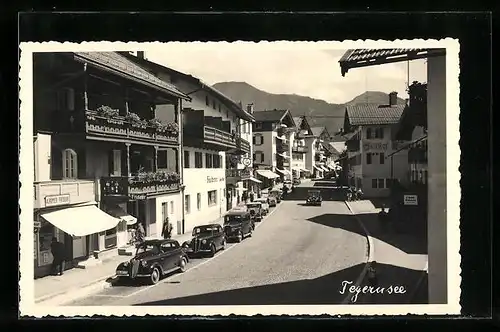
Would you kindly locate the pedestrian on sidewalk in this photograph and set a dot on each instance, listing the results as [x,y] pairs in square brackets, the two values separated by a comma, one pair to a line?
[57,250]
[252,196]
[166,232]
[244,197]
[140,233]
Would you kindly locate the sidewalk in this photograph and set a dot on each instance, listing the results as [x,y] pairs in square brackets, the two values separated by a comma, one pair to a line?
[76,279]
[401,259]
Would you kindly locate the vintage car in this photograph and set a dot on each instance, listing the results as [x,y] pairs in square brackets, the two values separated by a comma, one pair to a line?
[238,224]
[255,210]
[207,239]
[272,200]
[314,197]
[296,181]
[288,184]
[265,204]
[276,193]
[153,259]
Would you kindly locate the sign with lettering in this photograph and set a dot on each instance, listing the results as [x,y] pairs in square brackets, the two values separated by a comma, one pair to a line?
[56,200]
[375,146]
[137,196]
[410,200]
[212,179]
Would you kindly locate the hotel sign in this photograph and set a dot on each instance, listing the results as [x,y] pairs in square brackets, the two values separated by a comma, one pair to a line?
[375,146]
[212,179]
[410,199]
[56,200]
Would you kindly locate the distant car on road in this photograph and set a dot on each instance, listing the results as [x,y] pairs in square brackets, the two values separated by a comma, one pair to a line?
[288,184]
[207,239]
[153,259]
[238,224]
[265,204]
[276,193]
[314,197]
[255,210]
[273,200]
[296,181]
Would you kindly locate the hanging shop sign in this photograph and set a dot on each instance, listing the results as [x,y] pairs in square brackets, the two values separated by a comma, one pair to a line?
[55,200]
[410,200]
[375,146]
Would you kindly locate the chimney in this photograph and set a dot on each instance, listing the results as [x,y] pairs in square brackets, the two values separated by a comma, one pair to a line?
[250,108]
[140,54]
[393,98]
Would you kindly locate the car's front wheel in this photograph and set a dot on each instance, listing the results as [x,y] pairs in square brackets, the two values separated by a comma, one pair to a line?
[223,245]
[213,250]
[240,237]
[183,264]
[155,276]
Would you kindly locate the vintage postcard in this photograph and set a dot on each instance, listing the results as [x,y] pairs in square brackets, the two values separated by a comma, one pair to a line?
[273,178]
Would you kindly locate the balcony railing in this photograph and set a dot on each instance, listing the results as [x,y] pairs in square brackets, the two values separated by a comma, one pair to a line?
[62,192]
[216,136]
[234,175]
[242,145]
[138,187]
[353,145]
[116,126]
[300,149]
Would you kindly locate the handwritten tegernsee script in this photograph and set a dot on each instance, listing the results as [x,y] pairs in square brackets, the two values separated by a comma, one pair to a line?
[356,290]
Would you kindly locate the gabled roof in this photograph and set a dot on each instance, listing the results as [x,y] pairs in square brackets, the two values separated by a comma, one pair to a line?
[298,121]
[372,114]
[355,58]
[317,131]
[275,116]
[339,147]
[118,64]
[231,104]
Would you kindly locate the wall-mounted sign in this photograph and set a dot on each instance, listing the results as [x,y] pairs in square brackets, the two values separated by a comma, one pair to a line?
[246,162]
[212,179]
[56,200]
[410,200]
[137,196]
[375,146]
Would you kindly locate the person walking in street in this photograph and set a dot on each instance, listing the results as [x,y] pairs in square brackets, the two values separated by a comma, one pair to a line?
[57,250]
[140,233]
[244,197]
[166,232]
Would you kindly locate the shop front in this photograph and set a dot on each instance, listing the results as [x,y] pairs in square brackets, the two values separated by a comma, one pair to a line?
[267,177]
[76,226]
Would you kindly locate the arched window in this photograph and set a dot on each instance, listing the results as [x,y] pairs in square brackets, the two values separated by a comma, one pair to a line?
[70,164]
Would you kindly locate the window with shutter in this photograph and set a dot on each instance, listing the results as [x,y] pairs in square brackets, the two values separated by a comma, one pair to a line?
[368,158]
[374,183]
[381,183]
[368,133]
[70,164]
[382,158]
[253,140]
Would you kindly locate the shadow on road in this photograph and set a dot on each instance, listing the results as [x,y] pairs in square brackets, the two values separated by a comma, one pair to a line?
[410,242]
[323,290]
[328,193]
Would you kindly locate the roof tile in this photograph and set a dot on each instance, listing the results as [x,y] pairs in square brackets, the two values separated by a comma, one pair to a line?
[372,114]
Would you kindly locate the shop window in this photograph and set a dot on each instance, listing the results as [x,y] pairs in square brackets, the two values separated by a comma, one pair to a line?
[187,204]
[110,238]
[198,201]
[212,197]
[70,164]
[198,160]
[186,159]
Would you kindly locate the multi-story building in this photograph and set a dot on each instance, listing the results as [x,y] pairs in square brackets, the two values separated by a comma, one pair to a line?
[300,148]
[273,136]
[103,160]
[373,129]
[216,157]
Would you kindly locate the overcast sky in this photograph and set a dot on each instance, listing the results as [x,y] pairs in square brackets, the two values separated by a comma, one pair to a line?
[303,68]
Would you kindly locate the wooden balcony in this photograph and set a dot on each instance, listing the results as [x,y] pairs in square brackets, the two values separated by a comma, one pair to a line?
[62,192]
[219,137]
[137,187]
[234,175]
[242,145]
[300,149]
[119,128]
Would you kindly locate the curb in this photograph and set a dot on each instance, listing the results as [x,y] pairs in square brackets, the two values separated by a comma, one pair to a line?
[60,298]
[370,256]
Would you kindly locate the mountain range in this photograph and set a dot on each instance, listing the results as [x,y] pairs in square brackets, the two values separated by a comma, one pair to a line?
[318,112]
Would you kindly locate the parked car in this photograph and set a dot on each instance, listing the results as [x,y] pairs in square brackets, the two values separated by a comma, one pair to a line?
[276,193]
[207,239]
[272,200]
[238,224]
[296,181]
[255,210]
[265,204]
[288,184]
[314,197]
[153,259]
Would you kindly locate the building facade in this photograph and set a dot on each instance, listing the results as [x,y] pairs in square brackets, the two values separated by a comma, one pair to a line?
[103,160]
[300,148]
[273,137]
[215,149]
[373,128]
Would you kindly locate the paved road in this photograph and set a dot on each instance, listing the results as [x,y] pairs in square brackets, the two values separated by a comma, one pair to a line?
[297,255]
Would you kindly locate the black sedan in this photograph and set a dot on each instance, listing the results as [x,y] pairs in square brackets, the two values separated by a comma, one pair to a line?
[207,239]
[154,259]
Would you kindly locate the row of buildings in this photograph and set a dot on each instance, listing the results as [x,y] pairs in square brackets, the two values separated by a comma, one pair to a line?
[119,140]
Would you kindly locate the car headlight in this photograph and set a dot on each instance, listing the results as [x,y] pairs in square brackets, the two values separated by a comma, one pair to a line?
[204,242]
[125,264]
[144,263]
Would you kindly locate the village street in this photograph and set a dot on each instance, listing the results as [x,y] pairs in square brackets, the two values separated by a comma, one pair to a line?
[297,255]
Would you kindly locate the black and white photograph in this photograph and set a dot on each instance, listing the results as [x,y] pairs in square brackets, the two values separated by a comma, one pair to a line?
[217,178]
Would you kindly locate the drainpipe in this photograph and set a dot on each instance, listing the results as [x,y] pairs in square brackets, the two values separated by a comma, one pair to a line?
[181,160]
